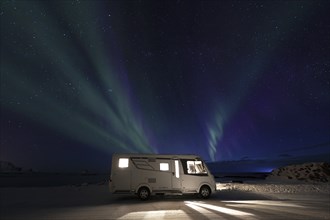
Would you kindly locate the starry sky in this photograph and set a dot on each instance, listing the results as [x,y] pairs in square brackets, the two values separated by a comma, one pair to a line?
[227,80]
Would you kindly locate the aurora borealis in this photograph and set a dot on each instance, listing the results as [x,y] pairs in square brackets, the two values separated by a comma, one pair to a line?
[222,79]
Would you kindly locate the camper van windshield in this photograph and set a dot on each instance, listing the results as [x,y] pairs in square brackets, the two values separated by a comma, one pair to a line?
[194,167]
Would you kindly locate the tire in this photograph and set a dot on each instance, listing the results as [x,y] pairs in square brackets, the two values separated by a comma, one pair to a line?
[205,192]
[144,193]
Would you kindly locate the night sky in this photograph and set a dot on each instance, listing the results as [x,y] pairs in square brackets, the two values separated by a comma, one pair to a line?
[227,80]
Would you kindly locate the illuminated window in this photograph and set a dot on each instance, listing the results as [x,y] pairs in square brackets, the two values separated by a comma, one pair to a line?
[177,173]
[123,162]
[164,166]
[196,167]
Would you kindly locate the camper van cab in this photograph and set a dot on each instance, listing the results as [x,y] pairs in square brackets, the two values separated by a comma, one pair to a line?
[150,174]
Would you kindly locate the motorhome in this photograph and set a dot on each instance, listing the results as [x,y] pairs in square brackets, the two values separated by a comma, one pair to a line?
[150,174]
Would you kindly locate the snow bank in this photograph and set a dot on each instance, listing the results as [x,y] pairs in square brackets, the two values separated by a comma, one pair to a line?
[264,187]
[310,178]
[307,172]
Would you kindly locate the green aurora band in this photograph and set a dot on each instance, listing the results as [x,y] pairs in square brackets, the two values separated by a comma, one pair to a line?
[100,117]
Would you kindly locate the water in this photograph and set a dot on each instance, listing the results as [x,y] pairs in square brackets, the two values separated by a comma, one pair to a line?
[239,177]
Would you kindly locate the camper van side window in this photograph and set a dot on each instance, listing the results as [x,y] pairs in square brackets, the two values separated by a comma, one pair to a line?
[164,166]
[123,162]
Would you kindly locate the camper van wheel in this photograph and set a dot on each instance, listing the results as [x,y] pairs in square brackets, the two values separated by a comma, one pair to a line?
[205,192]
[144,193]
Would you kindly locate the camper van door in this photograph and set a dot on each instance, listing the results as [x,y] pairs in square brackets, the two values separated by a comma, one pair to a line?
[123,173]
[176,177]
[164,176]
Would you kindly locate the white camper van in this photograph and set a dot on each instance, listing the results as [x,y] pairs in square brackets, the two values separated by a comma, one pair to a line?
[146,174]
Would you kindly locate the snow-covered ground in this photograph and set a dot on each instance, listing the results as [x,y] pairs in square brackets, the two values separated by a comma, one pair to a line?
[259,200]
[274,198]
